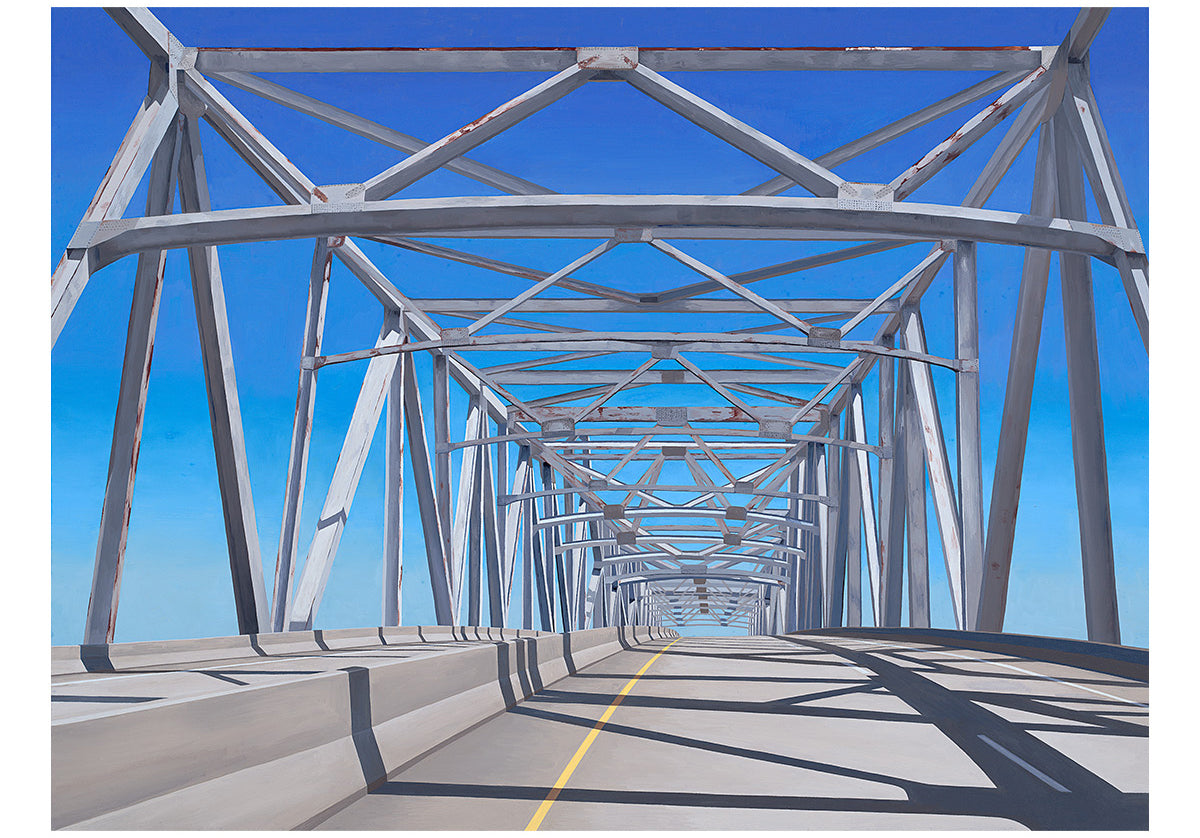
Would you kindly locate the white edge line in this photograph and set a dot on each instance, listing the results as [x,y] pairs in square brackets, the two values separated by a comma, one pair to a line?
[1047,677]
[1051,782]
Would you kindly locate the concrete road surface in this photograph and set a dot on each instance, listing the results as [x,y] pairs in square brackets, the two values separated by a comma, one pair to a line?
[799,732]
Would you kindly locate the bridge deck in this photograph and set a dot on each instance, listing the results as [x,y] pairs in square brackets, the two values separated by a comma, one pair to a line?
[798,732]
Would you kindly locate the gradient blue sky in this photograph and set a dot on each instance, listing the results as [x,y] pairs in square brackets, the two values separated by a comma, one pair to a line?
[603,138]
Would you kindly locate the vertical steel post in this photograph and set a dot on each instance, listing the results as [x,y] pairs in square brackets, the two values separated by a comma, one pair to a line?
[229,445]
[970,462]
[528,538]
[423,483]
[546,568]
[853,513]
[393,484]
[791,538]
[131,404]
[441,460]
[887,399]
[492,540]
[335,510]
[918,539]
[941,484]
[1018,398]
[868,503]
[306,391]
[835,574]
[1087,419]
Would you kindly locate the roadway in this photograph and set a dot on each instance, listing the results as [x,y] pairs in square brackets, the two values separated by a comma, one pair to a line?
[796,732]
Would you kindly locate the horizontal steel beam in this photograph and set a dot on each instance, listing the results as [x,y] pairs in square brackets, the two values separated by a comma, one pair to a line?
[655,414]
[606,217]
[647,305]
[726,575]
[666,59]
[598,377]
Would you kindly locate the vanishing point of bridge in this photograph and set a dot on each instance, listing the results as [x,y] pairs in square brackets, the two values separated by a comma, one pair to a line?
[637,456]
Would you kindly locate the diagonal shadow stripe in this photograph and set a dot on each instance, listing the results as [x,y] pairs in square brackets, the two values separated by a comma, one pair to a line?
[934,800]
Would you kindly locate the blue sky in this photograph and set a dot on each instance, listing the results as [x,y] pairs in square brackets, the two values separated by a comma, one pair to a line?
[603,138]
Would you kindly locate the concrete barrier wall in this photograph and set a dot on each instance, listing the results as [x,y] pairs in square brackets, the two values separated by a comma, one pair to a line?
[1125,661]
[118,657]
[278,756]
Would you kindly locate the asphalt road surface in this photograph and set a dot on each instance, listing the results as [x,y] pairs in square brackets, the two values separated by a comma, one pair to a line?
[794,732]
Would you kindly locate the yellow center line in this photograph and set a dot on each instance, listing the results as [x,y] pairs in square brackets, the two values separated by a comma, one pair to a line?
[561,782]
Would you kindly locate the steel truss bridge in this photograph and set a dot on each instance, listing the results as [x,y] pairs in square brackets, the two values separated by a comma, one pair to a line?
[759,493]
[635,457]
[751,504]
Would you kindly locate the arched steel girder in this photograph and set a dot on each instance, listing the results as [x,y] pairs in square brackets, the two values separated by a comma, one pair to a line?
[627,217]
[723,575]
[608,561]
[566,546]
[680,512]
[599,431]
[714,342]
[831,502]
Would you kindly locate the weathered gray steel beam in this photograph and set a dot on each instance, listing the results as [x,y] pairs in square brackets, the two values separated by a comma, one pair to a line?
[914,509]
[100,625]
[342,486]
[487,263]
[664,59]
[870,523]
[302,419]
[715,342]
[233,475]
[720,514]
[1014,140]
[1084,30]
[729,285]
[154,120]
[834,582]
[851,506]
[905,183]
[638,577]
[1087,419]
[279,94]
[1018,398]
[1111,200]
[685,292]
[145,30]
[493,539]
[626,380]
[458,143]
[884,301]
[969,443]
[531,292]
[938,462]
[638,413]
[886,377]
[544,554]
[475,545]
[440,407]
[893,568]
[898,128]
[574,377]
[393,486]
[464,540]
[591,305]
[601,216]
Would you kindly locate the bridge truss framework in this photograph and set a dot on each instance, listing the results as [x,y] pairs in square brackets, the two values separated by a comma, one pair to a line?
[783,502]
